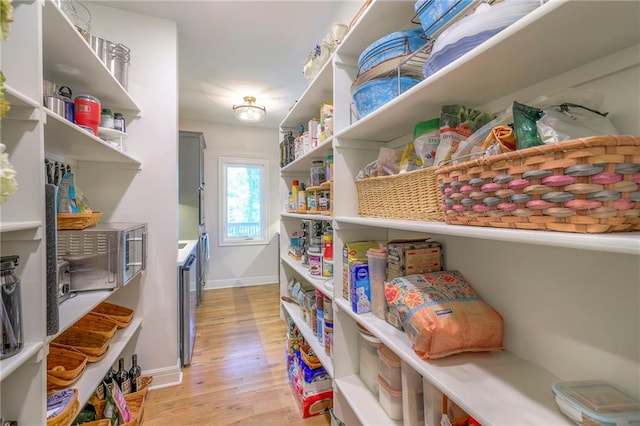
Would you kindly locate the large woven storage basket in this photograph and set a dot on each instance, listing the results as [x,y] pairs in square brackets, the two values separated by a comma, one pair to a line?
[413,195]
[588,185]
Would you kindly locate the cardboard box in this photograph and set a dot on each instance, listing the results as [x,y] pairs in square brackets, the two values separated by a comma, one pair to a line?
[353,253]
[360,288]
[413,257]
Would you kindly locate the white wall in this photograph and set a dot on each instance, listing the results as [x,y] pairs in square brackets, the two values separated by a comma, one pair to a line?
[231,266]
[150,194]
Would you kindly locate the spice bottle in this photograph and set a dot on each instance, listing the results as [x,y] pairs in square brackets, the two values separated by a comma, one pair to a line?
[118,122]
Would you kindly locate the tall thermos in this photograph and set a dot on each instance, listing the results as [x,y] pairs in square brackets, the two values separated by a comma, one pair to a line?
[10,307]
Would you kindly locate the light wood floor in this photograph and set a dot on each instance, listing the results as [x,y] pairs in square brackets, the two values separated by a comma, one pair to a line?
[238,374]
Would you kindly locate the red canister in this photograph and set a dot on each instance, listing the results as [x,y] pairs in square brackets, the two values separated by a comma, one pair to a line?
[87,112]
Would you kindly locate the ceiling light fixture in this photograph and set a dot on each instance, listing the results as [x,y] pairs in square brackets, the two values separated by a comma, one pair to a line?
[248,111]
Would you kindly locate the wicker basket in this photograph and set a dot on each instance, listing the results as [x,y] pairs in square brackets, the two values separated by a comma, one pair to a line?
[65,418]
[93,345]
[101,422]
[135,403]
[119,314]
[413,195]
[588,185]
[68,221]
[144,391]
[99,324]
[64,367]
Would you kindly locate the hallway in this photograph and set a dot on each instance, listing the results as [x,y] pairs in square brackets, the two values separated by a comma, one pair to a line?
[237,375]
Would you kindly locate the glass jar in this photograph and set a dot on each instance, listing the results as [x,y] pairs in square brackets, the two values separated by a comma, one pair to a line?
[329,168]
[118,122]
[106,118]
[318,173]
[11,313]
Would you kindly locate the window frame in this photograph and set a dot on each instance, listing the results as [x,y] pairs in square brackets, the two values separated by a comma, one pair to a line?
[223,163]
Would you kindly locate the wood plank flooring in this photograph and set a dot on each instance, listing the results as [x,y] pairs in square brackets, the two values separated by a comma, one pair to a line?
[238,374]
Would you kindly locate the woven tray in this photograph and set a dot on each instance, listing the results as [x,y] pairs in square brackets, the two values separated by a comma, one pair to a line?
[135,403]
[64,364]
[68,221]
[413,195]
[91,344]
[588,185]
[119,314]
[66,417]
[99,324]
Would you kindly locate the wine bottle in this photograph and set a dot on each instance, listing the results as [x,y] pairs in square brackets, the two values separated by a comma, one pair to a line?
[122,378]
[135,374]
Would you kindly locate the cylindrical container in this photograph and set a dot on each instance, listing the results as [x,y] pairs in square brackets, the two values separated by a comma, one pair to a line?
[327,246]
[327,308]
[329,167]
[327,268]
[311,201]
[426,138]
[106,118]
[11,313]
[315,261]
[56,105]
[65,94]
[302,200]
[87,112]
[318,171]
[118,58]
[377,258]
[323,201]
[327,336]
[320,316]
[118,122]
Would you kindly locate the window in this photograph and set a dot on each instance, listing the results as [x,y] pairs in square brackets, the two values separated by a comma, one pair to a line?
[243,214]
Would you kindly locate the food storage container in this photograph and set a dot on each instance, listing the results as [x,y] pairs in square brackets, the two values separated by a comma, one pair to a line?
[87,112]
[434,14]
[377,258]
[390,367]
[369,361]
[390,399]
[596,402]
[390,46]
[375,93]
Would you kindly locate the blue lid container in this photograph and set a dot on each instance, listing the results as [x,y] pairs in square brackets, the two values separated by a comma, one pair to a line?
[434,14]
[390,46]
[596,402]
[375,93]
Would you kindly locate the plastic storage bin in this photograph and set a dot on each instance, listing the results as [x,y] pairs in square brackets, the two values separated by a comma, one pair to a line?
[390,367]
[369,361]
[432,399]
[377,258]
[596,402]
[412,397]
[390,399]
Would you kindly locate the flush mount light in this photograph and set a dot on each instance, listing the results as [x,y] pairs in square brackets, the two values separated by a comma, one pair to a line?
[248,111]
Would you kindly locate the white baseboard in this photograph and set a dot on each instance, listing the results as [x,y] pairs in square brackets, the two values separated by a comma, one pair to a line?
[165,377]
[240,282]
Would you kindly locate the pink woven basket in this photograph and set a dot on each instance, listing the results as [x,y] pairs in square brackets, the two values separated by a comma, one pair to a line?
[588,185]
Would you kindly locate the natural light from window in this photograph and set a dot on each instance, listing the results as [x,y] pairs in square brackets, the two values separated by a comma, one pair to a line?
[243,201]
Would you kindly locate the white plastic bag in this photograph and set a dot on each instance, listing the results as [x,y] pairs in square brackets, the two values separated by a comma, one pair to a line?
[568,121]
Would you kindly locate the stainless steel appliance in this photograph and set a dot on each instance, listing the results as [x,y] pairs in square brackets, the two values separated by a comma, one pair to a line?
[192,199]
[106,256]
[63,274]
[188,295]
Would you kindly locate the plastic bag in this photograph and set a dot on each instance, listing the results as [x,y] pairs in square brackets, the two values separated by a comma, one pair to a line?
[568,121]
[525,118]
[458,123]
[410,160]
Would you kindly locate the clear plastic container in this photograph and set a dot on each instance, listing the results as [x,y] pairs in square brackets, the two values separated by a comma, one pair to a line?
[377,258]
[390,367]
[390,399]
[369,368]
[596,402]
[318,173]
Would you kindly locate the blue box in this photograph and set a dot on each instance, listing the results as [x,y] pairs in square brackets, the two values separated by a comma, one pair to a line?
[360,288]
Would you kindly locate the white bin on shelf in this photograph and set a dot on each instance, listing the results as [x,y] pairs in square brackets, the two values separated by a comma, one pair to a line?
[369,361]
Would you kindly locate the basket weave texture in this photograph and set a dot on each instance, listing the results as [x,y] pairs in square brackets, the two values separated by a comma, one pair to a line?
[119,314]
[93,345]
[413,196]
[135,404]
[97,324]
[64,367]
[588,185]
[68,221]
[66,417]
